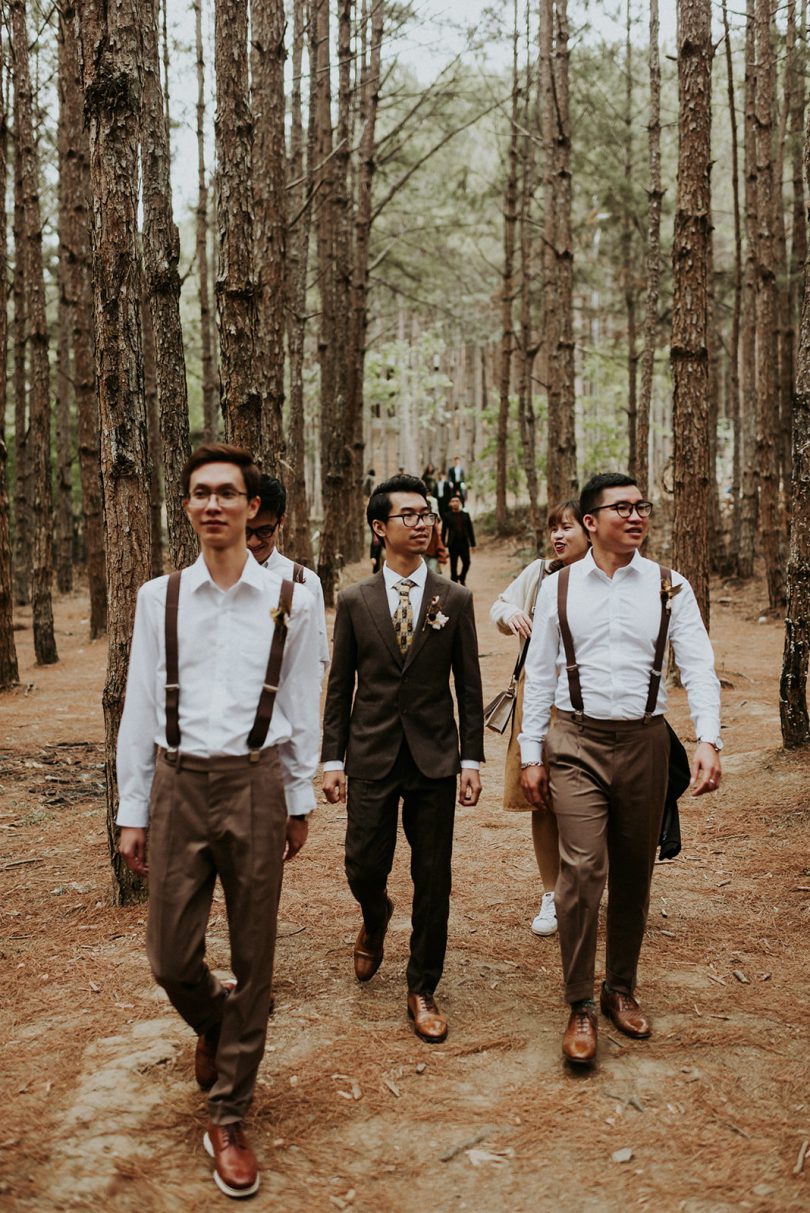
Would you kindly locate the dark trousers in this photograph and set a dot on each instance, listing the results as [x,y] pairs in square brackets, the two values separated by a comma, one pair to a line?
[608,782]
[428,813]
[462,554]
[221,817]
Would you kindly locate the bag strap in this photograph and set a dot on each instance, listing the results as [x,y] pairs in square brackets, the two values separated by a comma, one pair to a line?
[172,676]
[572,669]
[660,643]
[524,648]
[298,573]
[267,699]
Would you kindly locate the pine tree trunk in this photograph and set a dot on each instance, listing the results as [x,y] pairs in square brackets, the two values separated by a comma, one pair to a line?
[527,422]
[154,453]
[298,537]
[749,500]
[690,260]
[64,327]
[39,436]
[628,258]
[236,284]
[735,412]
[9,671]
[785,330]
[270,179]
[207,341]
[655,194]
[112,85]
[510,204]
[22,480]
[771,532]
[161,255]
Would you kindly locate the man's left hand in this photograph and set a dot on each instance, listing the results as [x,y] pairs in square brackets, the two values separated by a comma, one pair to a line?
[297,831]
[469,788]
[705,769]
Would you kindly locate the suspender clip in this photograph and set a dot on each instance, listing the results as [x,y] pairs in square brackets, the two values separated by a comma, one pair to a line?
[254,755]
[579,718]
[172,686]
[270,688]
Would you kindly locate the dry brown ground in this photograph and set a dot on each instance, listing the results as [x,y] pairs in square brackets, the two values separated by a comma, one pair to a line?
[352,1111]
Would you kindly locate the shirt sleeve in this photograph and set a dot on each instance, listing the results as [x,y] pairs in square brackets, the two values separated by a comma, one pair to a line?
[317,592]
[541,674]
[694,657]
[299,701]
[514,598]
[135,755]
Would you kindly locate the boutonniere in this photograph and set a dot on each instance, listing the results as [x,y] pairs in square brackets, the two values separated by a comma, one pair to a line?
[434,617]
[668,591]
[279,617]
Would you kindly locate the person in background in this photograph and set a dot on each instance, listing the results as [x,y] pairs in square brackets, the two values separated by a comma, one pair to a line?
[459,538]
[436,552]
[429,479]
[457,478]
[262,532]
[443,493]
[513,611]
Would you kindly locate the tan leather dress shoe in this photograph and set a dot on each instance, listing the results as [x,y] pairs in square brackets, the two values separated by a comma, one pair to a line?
[368,949]
[579,1038]
[235,1170]
[623,1010]
[428,1022]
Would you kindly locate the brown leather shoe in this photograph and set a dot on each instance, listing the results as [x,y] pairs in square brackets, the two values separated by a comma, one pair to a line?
[368,949]
[579,1038]
[235,1170]
[205,1054]
[623,1010]
[428,1022]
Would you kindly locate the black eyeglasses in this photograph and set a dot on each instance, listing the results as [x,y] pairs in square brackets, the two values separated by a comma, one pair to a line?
[411,518]
[625,508]
[262,533]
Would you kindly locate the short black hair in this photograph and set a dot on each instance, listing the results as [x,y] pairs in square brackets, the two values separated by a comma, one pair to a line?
[379,503]
[222,452]
[591,494]
[273,496]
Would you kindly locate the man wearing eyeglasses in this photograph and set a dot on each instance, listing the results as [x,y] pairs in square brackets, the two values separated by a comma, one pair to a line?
[262,534]
[217,751]
[389,726]
[601,766]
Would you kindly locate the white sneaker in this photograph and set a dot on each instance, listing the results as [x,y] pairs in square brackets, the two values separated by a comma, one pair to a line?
[546,921]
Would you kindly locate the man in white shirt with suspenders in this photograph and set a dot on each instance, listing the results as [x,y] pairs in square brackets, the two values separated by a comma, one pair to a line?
[219,786]
[601,767]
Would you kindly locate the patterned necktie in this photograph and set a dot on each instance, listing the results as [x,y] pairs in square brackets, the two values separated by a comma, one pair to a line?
[402,618]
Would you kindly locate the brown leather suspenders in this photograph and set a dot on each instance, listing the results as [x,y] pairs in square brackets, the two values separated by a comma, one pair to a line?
[267,699]
[298,572]
[572,669]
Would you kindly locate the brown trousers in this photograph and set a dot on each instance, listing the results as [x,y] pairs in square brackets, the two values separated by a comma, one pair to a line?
[608,782]
[221,817]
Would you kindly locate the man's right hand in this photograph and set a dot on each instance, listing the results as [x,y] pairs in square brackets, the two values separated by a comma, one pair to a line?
[534,785]
[334,786]
[132,846]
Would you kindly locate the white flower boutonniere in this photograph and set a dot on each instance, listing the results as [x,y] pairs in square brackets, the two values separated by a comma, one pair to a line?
[434,616]
[279,617]
[668,591]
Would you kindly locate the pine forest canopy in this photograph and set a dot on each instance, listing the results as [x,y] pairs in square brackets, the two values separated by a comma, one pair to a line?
[548,237]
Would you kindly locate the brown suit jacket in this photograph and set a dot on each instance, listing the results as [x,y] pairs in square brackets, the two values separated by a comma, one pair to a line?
[375,695]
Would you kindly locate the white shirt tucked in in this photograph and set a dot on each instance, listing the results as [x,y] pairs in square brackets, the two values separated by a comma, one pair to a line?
[224,639]
[614,624]
[282,566]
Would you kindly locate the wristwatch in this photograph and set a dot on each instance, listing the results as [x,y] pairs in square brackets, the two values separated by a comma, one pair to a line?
[717,743]
[538,762]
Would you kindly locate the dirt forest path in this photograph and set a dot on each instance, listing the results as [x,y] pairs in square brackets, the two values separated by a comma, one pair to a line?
[100,1110]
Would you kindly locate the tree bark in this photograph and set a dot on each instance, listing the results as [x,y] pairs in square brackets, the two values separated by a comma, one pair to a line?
[161,256]
[9,671]
[785,327]
[154,454]
[735,411]
[64,323]
[655,194]
[510,204]
[628,256]
[112,82]
[749,500]
[690,261]
[236,284]
[77,252]
[207,343]
[527,421]
[39,450]
[771,532]
[270,179]
[22,480]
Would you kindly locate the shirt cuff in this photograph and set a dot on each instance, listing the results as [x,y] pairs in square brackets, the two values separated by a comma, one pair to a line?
[531,751]
[334,765]
[467,764]
[707,727]
[300,798]
[133,813]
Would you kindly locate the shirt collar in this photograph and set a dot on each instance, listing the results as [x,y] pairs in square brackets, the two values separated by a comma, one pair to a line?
[273,559]
[198,574]
[589,565]
[418,576]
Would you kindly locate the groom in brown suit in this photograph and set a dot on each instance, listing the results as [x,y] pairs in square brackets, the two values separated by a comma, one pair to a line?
[389,726]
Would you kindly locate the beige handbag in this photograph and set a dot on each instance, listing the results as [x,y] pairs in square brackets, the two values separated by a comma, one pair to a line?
[498,714]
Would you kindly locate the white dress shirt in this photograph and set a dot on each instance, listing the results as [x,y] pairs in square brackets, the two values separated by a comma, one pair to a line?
[614,623]
[224,639]
[517,597]
[282,566]
[417,590]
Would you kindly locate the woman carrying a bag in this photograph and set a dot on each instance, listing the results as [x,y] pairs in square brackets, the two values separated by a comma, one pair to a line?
[512,611]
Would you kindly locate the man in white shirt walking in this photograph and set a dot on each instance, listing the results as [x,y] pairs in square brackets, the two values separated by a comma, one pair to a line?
[602,766]
[217,750]
[262,533]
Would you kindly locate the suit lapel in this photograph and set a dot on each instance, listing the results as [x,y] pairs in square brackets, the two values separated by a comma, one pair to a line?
[434,587]
[375,597]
